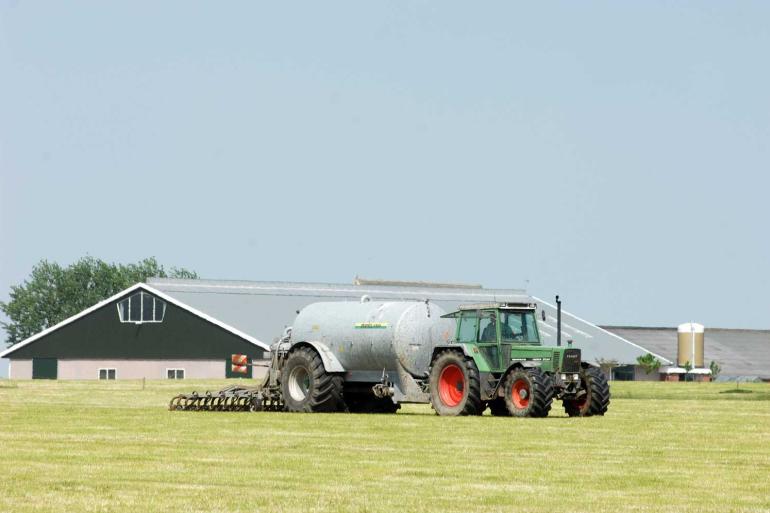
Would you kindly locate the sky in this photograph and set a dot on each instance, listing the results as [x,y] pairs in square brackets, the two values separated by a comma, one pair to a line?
[615,153]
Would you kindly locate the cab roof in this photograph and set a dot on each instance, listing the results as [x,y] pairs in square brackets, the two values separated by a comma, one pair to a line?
[487,306]
[490,306]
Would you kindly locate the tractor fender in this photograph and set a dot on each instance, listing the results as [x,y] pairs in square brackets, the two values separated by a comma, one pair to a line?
[329,359]
[460,348]
[524,364]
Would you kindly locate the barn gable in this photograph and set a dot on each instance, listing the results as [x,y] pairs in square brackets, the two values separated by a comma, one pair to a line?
[139,322]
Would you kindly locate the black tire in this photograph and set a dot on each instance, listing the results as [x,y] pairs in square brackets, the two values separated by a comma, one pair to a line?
[307,387]
[597,397]
[528,393]
[455,388]
[498,408]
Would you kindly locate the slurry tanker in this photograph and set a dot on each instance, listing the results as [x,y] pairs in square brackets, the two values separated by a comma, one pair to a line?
[370,357]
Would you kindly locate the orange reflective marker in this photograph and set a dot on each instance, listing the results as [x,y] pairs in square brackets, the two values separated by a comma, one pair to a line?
[239,359]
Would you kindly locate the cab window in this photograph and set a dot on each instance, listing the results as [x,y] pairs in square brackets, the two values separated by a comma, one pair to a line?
[487,327]
[469,325]
[519,326]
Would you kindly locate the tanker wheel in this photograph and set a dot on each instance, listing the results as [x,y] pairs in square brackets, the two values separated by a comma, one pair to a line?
[596,399]
[455,388]
[498,408]
[307,387]
[528,393]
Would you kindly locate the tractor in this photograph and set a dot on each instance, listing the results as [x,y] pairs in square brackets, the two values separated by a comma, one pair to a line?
[496,360]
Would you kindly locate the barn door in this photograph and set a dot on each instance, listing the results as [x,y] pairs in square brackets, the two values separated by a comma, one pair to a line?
[44,368]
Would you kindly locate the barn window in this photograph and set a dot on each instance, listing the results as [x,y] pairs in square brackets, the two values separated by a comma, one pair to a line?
[141,307]
[175,373]
[106,373]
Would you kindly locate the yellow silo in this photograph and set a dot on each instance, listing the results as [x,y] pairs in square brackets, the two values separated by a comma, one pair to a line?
[690,337]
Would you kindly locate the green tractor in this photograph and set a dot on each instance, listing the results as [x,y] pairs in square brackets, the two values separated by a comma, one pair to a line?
[496,360]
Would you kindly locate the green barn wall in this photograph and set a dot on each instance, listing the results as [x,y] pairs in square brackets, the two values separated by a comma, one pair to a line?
[100,334]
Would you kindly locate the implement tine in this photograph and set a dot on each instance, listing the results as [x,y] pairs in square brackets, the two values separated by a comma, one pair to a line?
[229,398]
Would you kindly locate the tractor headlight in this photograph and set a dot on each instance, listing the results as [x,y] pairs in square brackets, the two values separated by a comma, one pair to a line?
[576,376]
[564,377]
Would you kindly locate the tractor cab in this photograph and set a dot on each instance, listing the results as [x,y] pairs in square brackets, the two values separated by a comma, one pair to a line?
[512,323]
[496,328]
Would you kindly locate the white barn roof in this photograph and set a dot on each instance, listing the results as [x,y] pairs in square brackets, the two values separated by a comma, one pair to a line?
[262,309]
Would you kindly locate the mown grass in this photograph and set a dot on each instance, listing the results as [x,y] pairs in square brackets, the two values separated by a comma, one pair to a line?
[102,447]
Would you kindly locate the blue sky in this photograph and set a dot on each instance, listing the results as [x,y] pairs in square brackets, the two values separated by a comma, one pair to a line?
[615,153]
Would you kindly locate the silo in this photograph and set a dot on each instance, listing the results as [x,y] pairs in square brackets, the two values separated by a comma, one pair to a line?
[690,344]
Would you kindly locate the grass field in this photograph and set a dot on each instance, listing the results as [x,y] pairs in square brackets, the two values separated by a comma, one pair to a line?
[101,447]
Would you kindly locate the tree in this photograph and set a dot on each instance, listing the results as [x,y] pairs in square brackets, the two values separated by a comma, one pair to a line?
[687,367]
[715,369]
[649,363]
[53,293]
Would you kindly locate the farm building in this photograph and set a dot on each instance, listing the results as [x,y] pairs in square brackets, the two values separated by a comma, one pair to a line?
[740,353]
[138,333]
[174,329]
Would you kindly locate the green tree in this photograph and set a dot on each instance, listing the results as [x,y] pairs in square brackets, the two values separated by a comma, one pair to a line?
[687,367]
[715,369]
[649,363]
[52,292]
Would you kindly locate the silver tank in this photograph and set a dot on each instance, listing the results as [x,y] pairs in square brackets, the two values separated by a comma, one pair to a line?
[372,336]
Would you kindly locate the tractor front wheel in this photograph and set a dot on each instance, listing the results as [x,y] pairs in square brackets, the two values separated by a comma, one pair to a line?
[455,388]
[596,398]
[528,393]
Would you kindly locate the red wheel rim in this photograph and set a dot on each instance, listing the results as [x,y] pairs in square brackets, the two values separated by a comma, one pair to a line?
[520,393]
[451,385]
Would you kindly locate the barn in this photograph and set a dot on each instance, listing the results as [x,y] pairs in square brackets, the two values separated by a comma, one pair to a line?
[742,354]
[140,332]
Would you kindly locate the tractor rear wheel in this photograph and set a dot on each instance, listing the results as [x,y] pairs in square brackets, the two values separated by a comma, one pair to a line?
[528,393]
[307,387]
[455,388]
[597,395]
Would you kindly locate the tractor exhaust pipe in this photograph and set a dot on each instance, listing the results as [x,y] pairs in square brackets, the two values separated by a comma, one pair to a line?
[558,321]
